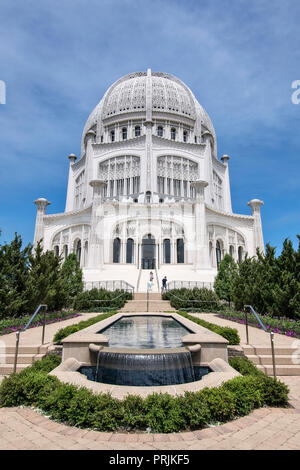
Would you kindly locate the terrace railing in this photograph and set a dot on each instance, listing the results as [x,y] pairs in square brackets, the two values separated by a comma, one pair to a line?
[109,285]
[247,310]
[41,306]
[189,285]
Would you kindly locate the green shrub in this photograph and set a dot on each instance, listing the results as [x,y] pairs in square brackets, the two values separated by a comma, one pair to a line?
[244,366]
[47,364]
[26,388]
[201,300]
[221,403]
[194,410]
[57,403]
[246,392]
[231,334]
[89,300]
[164,413]
[108,413]
[133,412]
[69,330]
[273,392]
[160,412]
[82,408]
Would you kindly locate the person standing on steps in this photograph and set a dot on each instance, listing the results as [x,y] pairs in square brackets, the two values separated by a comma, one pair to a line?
[164,284]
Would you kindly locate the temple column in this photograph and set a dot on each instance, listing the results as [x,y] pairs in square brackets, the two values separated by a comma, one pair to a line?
[226,186]
[70,191]
[97,235]
[41,205]
[257,233]
[201,245]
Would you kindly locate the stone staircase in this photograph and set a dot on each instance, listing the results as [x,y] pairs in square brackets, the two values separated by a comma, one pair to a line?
[139,303]
[284,359]
[27,355]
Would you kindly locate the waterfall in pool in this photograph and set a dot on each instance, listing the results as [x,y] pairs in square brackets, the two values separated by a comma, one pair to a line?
[144,369]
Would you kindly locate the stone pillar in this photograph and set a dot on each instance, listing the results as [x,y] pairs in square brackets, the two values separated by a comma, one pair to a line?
[70,191]
[257,233]
[226,187]
[201,244]
[41,205]
[96,244]
[89,170]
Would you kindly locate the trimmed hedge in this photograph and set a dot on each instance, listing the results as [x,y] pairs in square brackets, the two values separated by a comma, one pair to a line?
[160,412]
[206,299]
[87,301]
[69,330]
[231,334]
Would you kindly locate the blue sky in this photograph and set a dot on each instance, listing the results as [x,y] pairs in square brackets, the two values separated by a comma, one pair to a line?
[239,58]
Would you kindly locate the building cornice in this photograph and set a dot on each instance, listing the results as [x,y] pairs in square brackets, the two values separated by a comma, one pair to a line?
[86,210]
[228,214]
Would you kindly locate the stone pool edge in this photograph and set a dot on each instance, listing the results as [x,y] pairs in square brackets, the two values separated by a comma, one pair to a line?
[67,372]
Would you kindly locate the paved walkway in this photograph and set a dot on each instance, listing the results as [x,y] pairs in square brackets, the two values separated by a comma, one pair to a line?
[265,428]
[33,336]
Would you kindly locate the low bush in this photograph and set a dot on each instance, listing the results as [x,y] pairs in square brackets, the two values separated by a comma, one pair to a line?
[201,300]
[69,330]
[231,334]
[244,366]
[246,392]
[221,403]
[159,412]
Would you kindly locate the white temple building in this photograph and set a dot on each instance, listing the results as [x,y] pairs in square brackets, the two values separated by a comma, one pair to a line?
[149,191]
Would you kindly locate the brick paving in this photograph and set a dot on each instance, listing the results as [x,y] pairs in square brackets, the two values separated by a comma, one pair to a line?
[265,428]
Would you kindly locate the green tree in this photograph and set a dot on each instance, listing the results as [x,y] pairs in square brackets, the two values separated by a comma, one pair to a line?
[286,291]
[72,276]
[225,278]
[243,287]
[45,283]
[14,262]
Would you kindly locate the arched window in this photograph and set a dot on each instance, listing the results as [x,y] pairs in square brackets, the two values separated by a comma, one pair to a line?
[56,250]
[148,197]
[167,251]
[160,131]
[137,131]
[112,136]
[124,133]
[78,251]
[129,250]
[240,254]
[180,250]
[218,253]
[231,250]
[185,136]
[210,253]
[65,251]
[173,133]
[86,250]
[116,250]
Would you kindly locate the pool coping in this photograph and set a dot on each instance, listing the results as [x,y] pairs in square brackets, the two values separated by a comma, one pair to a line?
[67,372]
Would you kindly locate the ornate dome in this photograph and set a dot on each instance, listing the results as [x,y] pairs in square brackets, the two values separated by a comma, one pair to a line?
[153,92]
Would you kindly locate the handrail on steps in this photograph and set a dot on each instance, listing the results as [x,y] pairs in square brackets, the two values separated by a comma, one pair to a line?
[249,307]
[44,306]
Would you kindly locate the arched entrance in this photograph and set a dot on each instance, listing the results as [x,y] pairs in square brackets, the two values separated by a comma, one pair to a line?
[148,252]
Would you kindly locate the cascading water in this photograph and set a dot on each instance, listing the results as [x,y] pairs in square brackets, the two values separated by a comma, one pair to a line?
[144,369]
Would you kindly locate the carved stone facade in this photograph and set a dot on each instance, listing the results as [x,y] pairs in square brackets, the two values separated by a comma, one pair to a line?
[148,191]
